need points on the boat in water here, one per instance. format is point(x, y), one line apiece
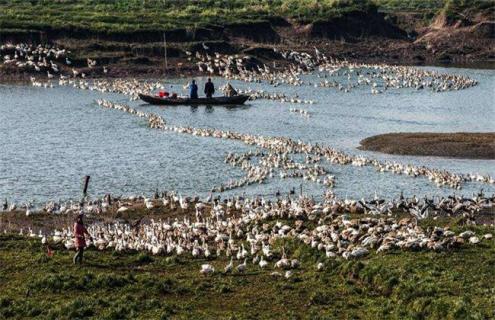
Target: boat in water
point(234, 100)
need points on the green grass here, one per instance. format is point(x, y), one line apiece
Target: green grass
point(124, 16)
point(411, 5)
point(460, 9)
point(116, 16)
point(399, 285)
point(134, 15)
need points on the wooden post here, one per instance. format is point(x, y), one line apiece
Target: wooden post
point(165, 50)
point(86, 183)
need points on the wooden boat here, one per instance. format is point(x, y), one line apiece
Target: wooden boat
point(234, 100)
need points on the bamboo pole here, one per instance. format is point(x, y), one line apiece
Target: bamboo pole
point(165, 50)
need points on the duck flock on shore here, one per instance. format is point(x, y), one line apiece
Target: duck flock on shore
point(48, 59)
point(252, 231)
point(247, 230)
point(41, 58)
point(419, 208)
point(339, 74)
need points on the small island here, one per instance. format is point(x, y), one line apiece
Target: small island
point(455, 145)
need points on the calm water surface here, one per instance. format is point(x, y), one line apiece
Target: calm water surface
point(50, 138)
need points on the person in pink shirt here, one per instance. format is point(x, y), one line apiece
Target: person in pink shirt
point(80, 241)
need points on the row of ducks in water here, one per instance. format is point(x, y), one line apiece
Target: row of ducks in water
point(282, 146)
point(128, 87)
point(252, 231)
point(268, 165)
point(154, 120)
point(279, 97)
point(133, 87)
point(381, 78)
point(347, 75)
point(302, 112)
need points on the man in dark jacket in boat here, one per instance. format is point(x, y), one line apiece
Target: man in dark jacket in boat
point(193, 90)
point(209, 88)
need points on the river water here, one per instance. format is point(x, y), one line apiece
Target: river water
point(51, 138)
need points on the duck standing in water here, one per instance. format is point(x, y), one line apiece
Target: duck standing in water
point(80, 240)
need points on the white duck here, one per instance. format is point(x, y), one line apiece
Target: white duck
point(263, 263)
point(207, 269)
point(242, 267)
point(228, 268)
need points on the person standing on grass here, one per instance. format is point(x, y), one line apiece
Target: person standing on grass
point(209, 88)
point(80, 241)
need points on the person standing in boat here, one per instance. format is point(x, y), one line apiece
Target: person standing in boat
point(229, 90)
point(193, 90)
point(209, 88)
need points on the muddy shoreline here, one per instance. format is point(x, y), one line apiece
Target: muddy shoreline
point(356, 37)
point(181, 67)
point(452, 145)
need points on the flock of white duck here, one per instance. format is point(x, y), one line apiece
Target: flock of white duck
point(280, 157)
point(340, 74)
point(247, 229)
point(45, 59)
point(251, 231)
point(419, 208)
point(247, 69)
point(380, 77)
point(39, 58)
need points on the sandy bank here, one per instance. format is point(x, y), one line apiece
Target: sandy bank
point(455, 145)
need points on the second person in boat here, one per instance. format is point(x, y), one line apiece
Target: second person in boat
point(193, 90)
point(209, 88)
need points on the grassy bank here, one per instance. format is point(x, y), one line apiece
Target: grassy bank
point(158, 15)
point(127, 35)
point(457, 145)
point(155, 15)
point(400, 285)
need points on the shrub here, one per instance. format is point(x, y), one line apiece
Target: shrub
point(144, 258)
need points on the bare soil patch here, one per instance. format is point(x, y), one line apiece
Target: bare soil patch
point(455, 145)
